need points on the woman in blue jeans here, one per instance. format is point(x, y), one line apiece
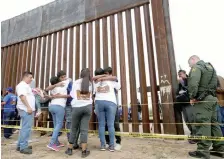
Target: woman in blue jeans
point(57, 109)
point(106, 107)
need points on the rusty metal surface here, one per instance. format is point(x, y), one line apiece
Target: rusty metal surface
point(163, 67)
point(71, 59)
point(24, 59)
point(42, 70)
point(132, 78)
point(29, 52)
point(8, 67)
point(11, 66)
point(59, 51)
point(4, 59)
point(113, 45)
point(37, 74)
point(65, 50)
point(97, 43)
point(47, 77)
point(105, 43)
point(19, 65)
point(92, 125)
point(53, 66)
point(123, 74)
point(90, 46)
point(34, 53)
point(83, 45)
point(152, 71)
point(142, 75)
point(14, 66)
point(77, 52)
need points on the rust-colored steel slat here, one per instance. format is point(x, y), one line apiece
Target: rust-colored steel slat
point(105, 43)
point(8, 67)
point(24, 56)
point(123, 73)
point(83, 45)
point(59, 51)
point(92, 125)
point(152, 71)
point(77, 52)
point(29, 53)
point(163, 67)
point(38, 63)
point(71, 59)
point(14, 67)
point(4, 59)
point(132, 76)
point(43, 63)
point(19, 65)
point(90, 46)
point(53, 65)
point(113, 45)
point(65, 50)
point(97, 44)
point(11, 66)
point(47, 77)
point(34, 53)
point(142, 75)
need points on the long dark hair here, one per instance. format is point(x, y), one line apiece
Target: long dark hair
point(85, 75)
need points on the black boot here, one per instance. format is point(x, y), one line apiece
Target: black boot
point(198, 154)
point(68, 152)
point(217, 152)
point(75, 147)
point(85, 153)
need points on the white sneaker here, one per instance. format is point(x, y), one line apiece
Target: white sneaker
point(107, 146)
point(117, 147)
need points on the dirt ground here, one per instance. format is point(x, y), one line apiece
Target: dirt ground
point(132, 148)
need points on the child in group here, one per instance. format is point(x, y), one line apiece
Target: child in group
point(42, 100)
point(57, 109)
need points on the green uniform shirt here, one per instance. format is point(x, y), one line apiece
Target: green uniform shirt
point(200, 76)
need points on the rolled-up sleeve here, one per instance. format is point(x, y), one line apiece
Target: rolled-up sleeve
point(21, 91)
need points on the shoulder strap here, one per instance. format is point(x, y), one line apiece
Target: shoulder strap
point(213, 71)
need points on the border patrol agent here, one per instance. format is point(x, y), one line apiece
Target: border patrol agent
point(202, 85)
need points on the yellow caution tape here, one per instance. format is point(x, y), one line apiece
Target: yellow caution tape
point(132, 134)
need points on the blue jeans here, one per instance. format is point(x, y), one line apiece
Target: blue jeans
point(8, 119)
point(25, 132)
point(68, 118)
point(58, 113)
point(106, 111)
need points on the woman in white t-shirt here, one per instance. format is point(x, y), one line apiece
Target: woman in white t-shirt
point(106, 107)
point(81, 111)
point(57, 109)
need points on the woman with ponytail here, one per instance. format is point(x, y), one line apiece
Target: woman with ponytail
point(81, 111)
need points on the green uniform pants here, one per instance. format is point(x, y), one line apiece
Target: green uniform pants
point(205, 112)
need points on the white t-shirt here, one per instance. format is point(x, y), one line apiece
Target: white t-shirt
point(105, 90)
point(61, 91)
point(24, 89)
point(80, 100)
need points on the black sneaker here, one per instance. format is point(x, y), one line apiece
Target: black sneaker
point(217, 153)
point(85, 153)
point(68, 152)
point(198, 154)
point(75, 147)
point(111, 148)
point(26, 151)
point(192, 141)
point(29, 147)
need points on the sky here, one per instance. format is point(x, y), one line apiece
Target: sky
point(197, 27)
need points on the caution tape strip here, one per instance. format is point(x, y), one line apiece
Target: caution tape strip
point(133, 134)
